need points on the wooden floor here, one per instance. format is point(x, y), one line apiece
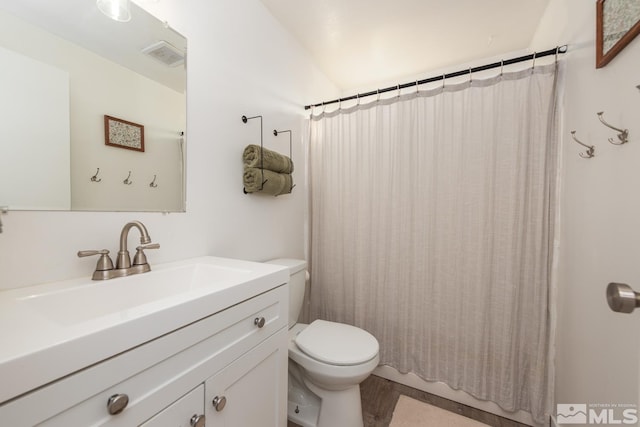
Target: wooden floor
point(379, 397)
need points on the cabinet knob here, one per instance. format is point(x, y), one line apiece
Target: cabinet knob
point(197, 421)
point(259, 322)
point(219, 403)
point(622, 298)
point(117, 403)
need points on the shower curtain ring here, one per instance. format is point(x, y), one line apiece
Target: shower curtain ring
point(398, 96)
point(323, 107)
point(358, 99)
point(470, 75)
point(417, 87)
point(444, 77)
point(557, 49)
point(501, 67)
point(533, 64)
point(377, 95)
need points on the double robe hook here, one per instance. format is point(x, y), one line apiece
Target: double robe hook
point(590, 148)
point(623, 134)
point(95, 178)
point(127, 180)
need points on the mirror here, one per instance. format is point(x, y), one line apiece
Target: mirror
point(617, 23)
point(66, 68)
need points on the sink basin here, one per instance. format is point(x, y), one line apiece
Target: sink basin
point(80, 322)
point(121, 296)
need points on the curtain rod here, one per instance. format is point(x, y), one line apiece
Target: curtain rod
point(554, 51)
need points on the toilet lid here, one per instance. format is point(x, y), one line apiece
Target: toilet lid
point(337, 343)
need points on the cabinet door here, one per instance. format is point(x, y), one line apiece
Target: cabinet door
point(188, 411)
point(251, 391)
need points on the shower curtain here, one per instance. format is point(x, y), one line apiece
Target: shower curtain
point(432, 226)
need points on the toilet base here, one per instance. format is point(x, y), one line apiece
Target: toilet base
point(312, 406)
point(338, 408)
point(341, 408)
point(303, 415)
point(303, 407)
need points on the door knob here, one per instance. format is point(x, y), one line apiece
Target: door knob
point(622, 298)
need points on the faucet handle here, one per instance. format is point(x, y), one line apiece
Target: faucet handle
point(140, 258)
point(104, 262)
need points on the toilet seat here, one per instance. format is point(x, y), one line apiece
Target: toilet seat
point(337, 343)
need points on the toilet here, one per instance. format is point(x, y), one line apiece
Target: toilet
point(327, 363)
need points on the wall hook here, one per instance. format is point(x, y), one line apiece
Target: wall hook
point(590, 148)
point(622, 136)
point(153, 183)
point(127, 181)
point(94, 178)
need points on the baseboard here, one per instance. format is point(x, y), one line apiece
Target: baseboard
point(443, 390)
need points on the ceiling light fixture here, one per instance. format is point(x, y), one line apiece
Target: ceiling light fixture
point(118, 10)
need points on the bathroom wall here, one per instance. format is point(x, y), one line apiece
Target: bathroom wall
point(240, 61)
point(597, 349)
point(35, 101)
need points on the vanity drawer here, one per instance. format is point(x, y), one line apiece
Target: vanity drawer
point(154, 374)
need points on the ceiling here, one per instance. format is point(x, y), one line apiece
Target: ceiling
point(358, 43)
point(80, 22)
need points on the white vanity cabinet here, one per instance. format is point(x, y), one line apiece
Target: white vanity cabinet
point(251, 391)
point(239, 353)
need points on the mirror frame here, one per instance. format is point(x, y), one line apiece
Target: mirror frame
point(603, 58)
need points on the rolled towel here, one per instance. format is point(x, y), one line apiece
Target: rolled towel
point(275, 183)
point(271, 160)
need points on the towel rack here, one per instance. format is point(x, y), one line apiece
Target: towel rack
point(276, 132)
point(245, 119)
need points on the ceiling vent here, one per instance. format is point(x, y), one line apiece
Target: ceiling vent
point(165, 53)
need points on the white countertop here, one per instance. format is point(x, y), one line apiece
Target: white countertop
point(51, 330)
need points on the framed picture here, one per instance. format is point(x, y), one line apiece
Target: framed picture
point(617, 23)
point(123, 134)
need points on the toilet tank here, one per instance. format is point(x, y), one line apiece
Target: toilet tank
point(297, 281)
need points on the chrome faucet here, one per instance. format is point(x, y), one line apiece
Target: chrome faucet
point(104, 268)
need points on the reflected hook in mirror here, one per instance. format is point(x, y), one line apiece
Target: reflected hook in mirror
point(94, 178)
point(127, 181)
